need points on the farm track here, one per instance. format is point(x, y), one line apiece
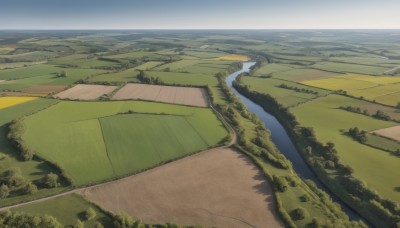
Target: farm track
point(83, 189)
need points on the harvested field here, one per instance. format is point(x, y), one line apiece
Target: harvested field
point(43, 89)
point(391, 132)
point(234, 57)
point(167, 94)
point(85, 92)
point(219, 187)
point(2, 81)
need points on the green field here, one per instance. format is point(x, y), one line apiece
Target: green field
point(330, 124)
point(286, 97)
point(350, 68)
point(46, 75)
point(67, 210)
point(268, 69)
point(385, 90)
point(175, 78)
point(96, 143)
point(125, 75)
point(303, 74)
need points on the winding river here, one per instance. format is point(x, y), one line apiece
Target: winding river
point(283, 142)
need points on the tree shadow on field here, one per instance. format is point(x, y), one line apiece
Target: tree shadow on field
point(397, 189)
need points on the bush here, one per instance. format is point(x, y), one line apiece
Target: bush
point(298, 214)
point(90, 214)
point(4, 191)
point(50, 180)
point(30, 188)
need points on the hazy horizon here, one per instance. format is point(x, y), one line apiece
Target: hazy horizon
point(199, 15)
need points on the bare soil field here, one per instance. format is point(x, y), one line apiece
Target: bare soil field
point(219, 187)
point(167, 94)
point(85, 92)
point(43, 89)
point(2, 81)
point(391, 132)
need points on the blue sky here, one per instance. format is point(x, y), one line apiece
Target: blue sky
point(199, 14)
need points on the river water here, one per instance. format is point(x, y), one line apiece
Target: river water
point(283, 142)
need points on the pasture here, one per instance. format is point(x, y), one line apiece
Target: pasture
point(167, 94)
point(350, 68)
point(92, 142)
point(331, 124)
point(85, 92)
point(184, 79)
point(303, 74)
point(287, 97)
point(195, 190)
point(271, 68)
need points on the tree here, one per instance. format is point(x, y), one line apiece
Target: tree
point(90, 214)
point(79, 224)
point(50, 180)
point(4, 191)
point(123, 220)
point(30, 188)
point(298, 214)
point(398, 105)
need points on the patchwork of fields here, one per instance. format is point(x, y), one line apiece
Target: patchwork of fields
point(96, 141)
point(385, 90)
point(167, 94)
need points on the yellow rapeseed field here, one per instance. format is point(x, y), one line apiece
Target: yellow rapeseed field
point(6, 102)
point(234, 57)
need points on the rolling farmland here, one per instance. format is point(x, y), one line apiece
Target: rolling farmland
point(89, 136)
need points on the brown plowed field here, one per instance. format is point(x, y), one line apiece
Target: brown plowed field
point(43, 89)
point(85, 92)
point(167, 94)
point(391, 132)
point(218, 187)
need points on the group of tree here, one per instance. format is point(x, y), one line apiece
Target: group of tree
point(144, 78)
point(12, 181)
point(297, 89)
point(21, 219)
point(358, 135)
point(381, 115)
point(16, 129)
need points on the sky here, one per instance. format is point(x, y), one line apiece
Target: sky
point(199, 14)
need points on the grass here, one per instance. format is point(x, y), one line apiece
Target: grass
point(299, 75)
point(67, 210)
point(125, 75)
point(30, 71)
point(381, 142)
point(350, 68)
point(175, 78)
point(284, 96)
point(6, 102)
point(83, 142)
point(175, 137)
point(331, 123)
point(268, 69)
point(73, 75)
